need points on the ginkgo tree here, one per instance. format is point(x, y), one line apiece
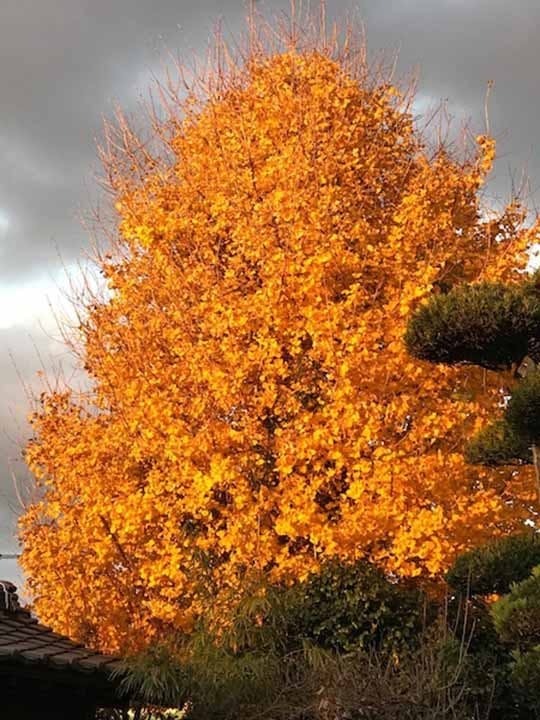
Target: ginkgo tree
point(253, 409)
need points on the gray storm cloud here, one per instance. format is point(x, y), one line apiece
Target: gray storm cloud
point(64, 63)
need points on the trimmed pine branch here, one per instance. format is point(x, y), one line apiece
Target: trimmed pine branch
point(486, 324)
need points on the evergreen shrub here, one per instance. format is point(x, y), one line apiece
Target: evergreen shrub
point(492, 568)
point(485, 324)
point(523, 411)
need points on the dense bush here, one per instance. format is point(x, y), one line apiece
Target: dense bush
point(208, 678)
point(436, 680)
point(517, 615)
point(347, 607)
point(285, 644)
point(525, 678)
point(346, 642)
point(486, 324)
point(350, 643)
point(493, 568)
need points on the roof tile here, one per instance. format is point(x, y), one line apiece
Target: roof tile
point(24, 639)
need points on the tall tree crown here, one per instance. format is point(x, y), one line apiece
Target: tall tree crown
point(254, 409)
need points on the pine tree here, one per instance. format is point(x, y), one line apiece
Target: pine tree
point(495, 326)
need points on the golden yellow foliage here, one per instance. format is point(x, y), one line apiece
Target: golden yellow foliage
point(253, 407)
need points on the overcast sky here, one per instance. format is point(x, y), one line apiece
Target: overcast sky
point(65, 63)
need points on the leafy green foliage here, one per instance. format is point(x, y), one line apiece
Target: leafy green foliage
point(523, 411)
point(503, 637)
point(203, 675)
point(437, 679)
point(350, 642)
point(517, 615)
point(486, 324)
point(494, 567)
point(282, 637)
point(526, 678)
point(154, 676)
point(498, 444)
point(304, 653)
point(347, 607)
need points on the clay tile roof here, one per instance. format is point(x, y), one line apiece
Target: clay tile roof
point(24, 640)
